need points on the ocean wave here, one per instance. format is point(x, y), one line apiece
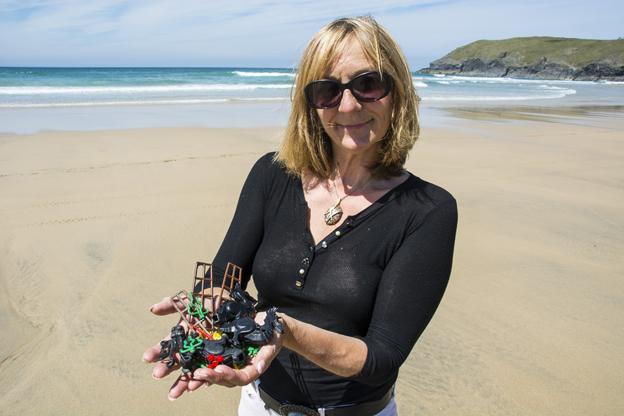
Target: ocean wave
point(551, 87)
point(419, 84)
point(448, 81)
point(499, 98)
point(262, 74)
point(139, 102)
point(500, 80)
point(138, 89)
point(260, 99)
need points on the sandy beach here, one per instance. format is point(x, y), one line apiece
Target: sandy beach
point(96, 226)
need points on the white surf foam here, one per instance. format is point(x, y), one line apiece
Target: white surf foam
point(262, 74)
point(552, 87)
point(560, 94)
point(505, 80)
point(137, 89)
point(137, 102)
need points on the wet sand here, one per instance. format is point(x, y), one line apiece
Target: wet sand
point(97, 226)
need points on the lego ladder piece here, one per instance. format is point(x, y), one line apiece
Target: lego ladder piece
point(203, 275)
point(194, 322)
point(233, 275)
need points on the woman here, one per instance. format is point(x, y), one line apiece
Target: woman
point(353, 250)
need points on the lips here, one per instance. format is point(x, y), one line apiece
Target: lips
point(354, 126)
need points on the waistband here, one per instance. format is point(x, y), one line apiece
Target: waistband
point(360, 409)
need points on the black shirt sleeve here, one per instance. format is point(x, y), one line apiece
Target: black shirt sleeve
point(410, 290)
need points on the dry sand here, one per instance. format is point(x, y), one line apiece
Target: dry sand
point(97, 226)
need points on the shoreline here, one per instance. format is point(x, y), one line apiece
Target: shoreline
point(271, 115)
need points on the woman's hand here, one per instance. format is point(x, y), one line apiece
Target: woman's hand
point(221, 375)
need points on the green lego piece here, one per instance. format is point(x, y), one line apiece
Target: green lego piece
point(191, 344)
point(195, 308)
point(252, 351)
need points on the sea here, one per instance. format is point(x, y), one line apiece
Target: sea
point(34, 99)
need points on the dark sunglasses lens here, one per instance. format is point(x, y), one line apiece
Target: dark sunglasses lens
point(370, 87)
point(323, 94)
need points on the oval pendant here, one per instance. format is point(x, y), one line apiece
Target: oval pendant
point(333, 215)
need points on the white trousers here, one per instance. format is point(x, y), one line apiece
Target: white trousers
point(252, 405)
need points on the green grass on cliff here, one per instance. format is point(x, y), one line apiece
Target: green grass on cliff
point(531, 50)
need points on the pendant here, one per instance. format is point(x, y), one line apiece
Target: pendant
point(333, 214)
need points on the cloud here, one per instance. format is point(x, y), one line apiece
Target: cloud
point(264, 32)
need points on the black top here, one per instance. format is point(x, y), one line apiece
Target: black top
point(379, 276)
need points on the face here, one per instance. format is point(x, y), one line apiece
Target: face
point(353, 126)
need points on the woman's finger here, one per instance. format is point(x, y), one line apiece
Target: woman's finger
point(194, 384)
point(161, 370)
point(152, 354)
point(207, 375)
point(266, 354)
point(241, 377)
point(221, 375)
point(246, 375)
point(164, 307)
point(179, 387)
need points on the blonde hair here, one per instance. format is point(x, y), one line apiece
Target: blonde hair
point(306, 146)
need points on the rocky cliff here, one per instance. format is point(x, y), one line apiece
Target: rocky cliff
point(536, 57)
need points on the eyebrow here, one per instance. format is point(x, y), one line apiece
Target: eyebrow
point(353, 74)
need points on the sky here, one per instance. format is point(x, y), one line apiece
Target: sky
point(266, 33)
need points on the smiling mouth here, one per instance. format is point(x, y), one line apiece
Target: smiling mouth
point(353, 126)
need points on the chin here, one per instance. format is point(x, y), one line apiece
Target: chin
point(350, 143)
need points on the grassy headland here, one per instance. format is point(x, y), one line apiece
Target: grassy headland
point(536, 57)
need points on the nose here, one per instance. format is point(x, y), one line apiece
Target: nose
point(348, 102)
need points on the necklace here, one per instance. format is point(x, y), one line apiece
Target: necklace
point(334, 212)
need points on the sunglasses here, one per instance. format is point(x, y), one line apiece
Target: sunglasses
point(367, 87)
